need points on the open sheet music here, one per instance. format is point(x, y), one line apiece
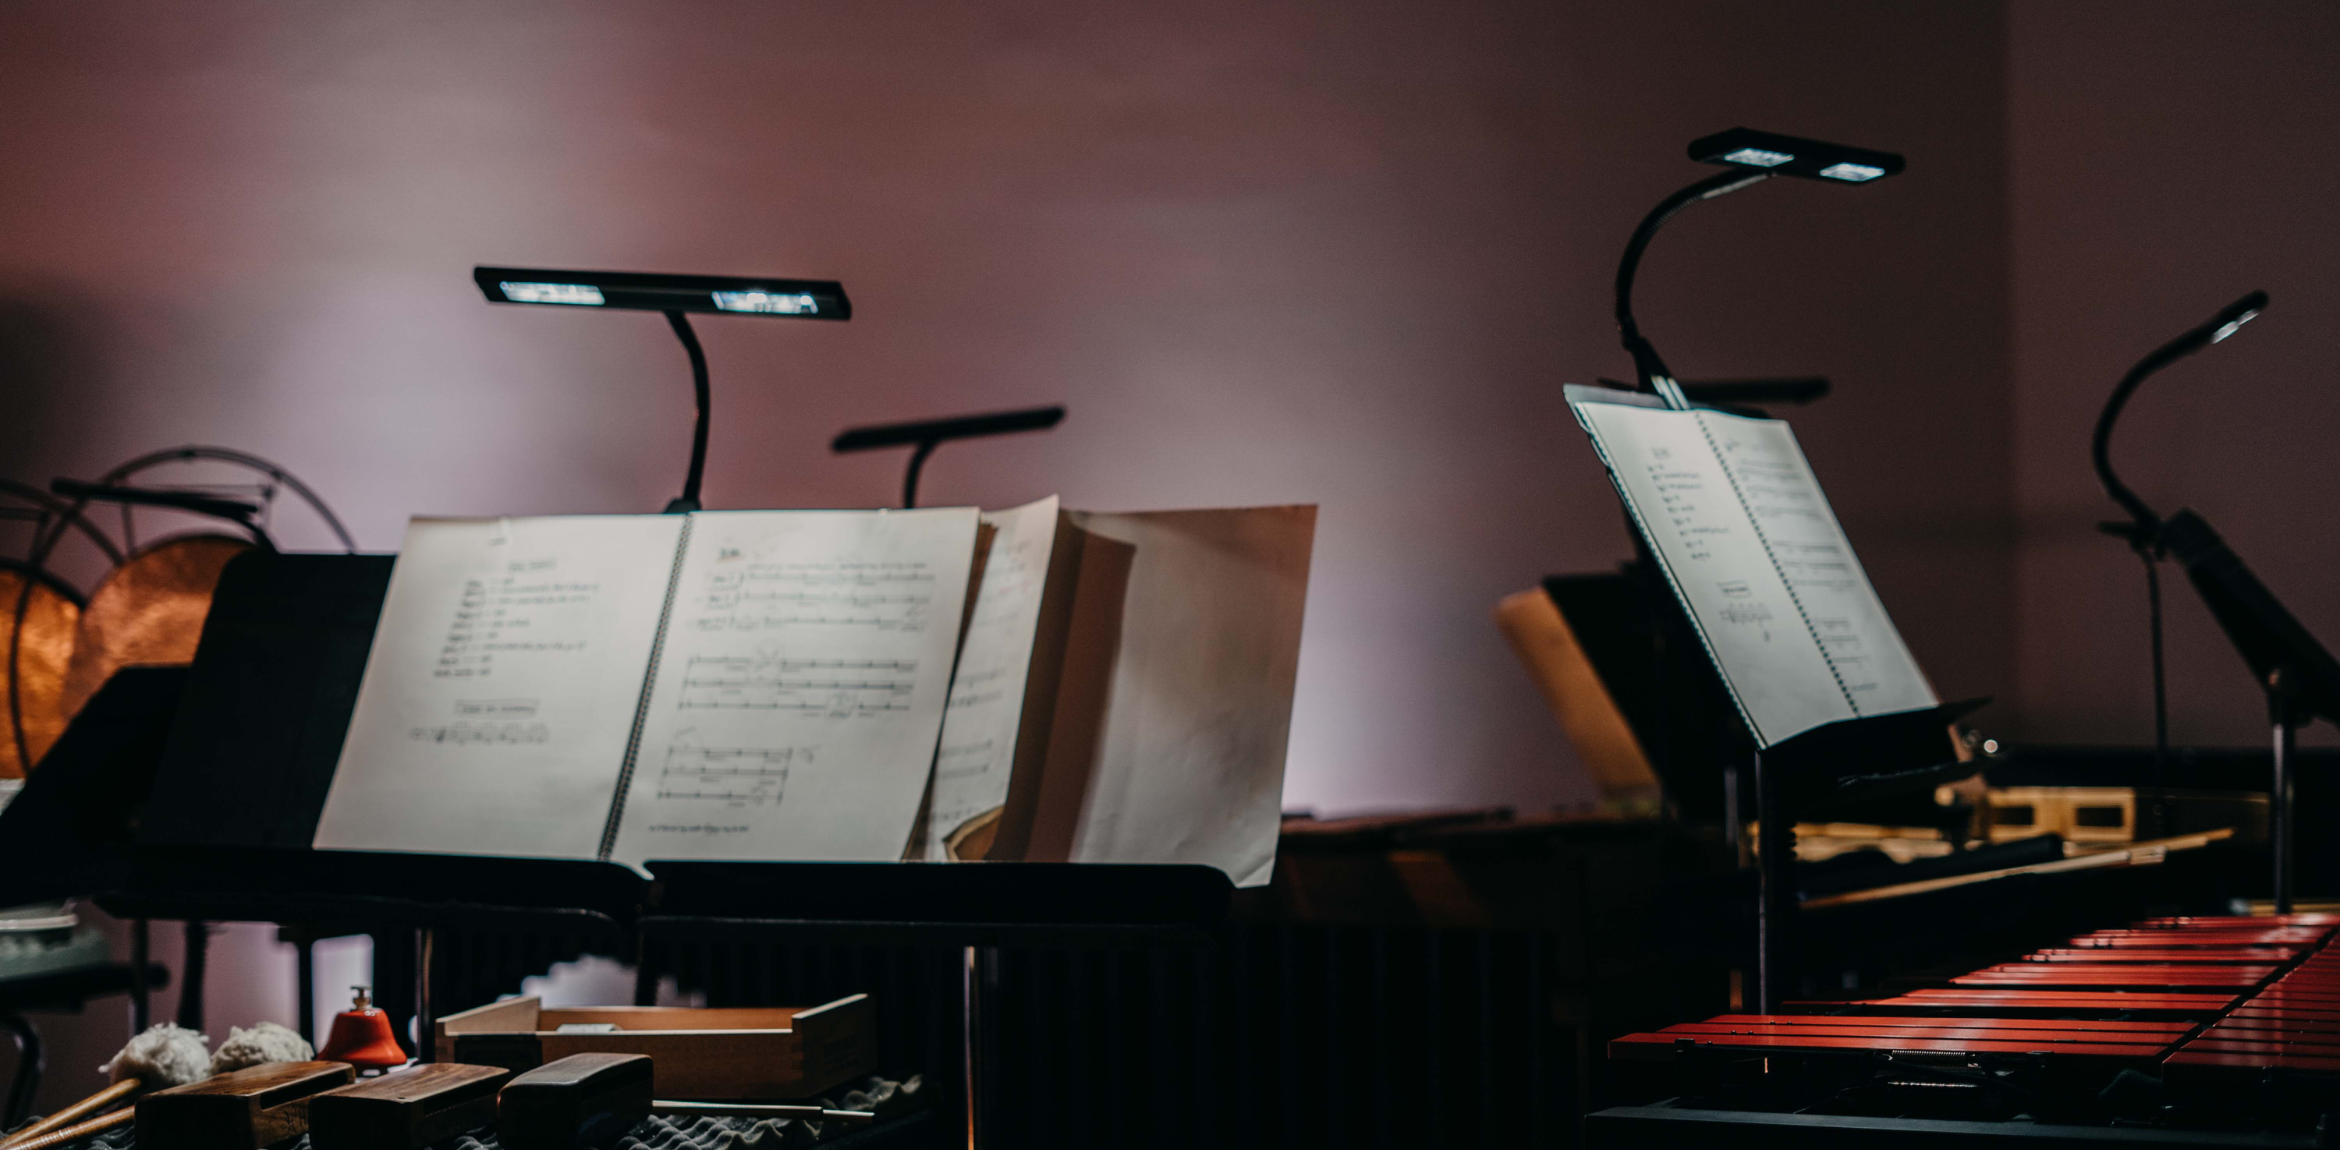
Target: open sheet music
point(806, 685)
point(1747, 541)
point(719, 684)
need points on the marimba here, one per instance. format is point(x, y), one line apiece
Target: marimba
point(2201, 1030)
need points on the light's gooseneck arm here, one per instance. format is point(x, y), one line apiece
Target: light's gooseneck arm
point(1649, 369)
point(2219, 327)
point(690, 341)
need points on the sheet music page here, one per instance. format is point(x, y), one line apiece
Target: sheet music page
point(1190, 761)
point(800, 692)
point(1677, 488)
point(1815, 558)
point(493, 714)
point(978, 751)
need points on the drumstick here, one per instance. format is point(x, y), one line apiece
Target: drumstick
point(76, 1112)
point(98, 1125)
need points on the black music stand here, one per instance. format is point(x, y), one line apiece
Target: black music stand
point(251, 757)
point(1843, 762)
point(979, 907)
point(244, 771)
point(70, 832)
point(1852, 759)
point(2300, 677)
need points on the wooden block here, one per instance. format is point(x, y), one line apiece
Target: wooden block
point(406, 1109)
point(732, 1054)
point(583, 1100)
point(240, 1110)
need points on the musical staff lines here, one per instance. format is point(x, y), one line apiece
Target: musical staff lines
point(755, 595)
point(750, 776)
point(464, 733)
point(767, 681)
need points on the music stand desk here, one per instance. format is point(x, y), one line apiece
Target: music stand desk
point(979, 907)
point(942, 904)
point(394, 890)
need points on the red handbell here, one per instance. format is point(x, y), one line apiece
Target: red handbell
point(361, 1036)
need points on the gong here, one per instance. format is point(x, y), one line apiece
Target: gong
point(147, 612)
point(44, 648)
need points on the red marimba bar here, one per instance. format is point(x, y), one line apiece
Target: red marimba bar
point(2239, 993)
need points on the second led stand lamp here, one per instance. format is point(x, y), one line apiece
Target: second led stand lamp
point(676, 296)
point(2300, 677)
point(925, 435)
point(1751, 157)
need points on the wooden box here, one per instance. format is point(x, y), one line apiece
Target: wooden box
point(729, 1054)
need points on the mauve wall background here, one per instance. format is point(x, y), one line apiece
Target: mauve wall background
point(1332, 252)
point(1336, 253)
point(2167, 158)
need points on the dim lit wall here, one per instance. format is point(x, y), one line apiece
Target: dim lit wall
point(1331, 252)
point(2167, 158)
point(1334, 252)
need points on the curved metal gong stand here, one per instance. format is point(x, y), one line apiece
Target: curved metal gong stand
point(196, 451)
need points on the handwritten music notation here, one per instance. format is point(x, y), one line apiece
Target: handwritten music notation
point(753, 776)
point(465, 733)
point(766, 681)
point(481, 722)
point(754, 595)
point(519, 613)
point(1682, 494)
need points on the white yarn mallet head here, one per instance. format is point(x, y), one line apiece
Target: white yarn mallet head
point(266, 1042)
point(165, 1055)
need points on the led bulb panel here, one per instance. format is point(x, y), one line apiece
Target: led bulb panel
point(779, 303)
point(1852, 173)
point(581, 295)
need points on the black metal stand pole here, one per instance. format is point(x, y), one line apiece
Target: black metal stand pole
point(198, 949)
point(31, 1063)
point(690, 341)
point(1775, 897)
point(2279, 793)
point(917, 464)
point(971, 1037)
point(305, 995)
point(140, 1003)
point(2159, 806)
point(1734, 813)
point(424, 1021)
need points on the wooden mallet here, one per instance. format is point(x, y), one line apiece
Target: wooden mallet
point(163, 1056)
